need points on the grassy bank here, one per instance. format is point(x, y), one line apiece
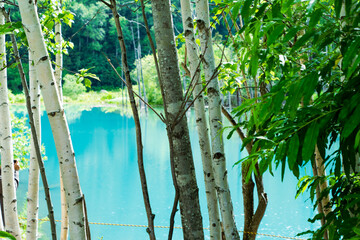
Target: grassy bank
point(103, 97)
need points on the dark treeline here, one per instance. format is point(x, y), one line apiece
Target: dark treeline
point(93, 33)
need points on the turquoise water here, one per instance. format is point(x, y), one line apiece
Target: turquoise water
point(105, 151)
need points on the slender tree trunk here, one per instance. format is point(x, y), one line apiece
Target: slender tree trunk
point(137, 69)
point(59, 57)
point(57, 118)
point(3, 77)
point(178, 134)
point(202, 128)
point(140, 64)
point(33, 186)
point(218, 154)
point(150, 215)
point(7, 159)
point(319, 170)
point(58, 79)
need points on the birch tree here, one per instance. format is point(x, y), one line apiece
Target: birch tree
point(7, 158)
point(33, 186)
point(58, 80)
point(215, 119)
point(202, 128)
point(57, 118)
point(177, 129)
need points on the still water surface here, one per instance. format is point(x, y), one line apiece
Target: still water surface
point(105, 149)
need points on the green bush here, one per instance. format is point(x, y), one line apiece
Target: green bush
point(72, 88)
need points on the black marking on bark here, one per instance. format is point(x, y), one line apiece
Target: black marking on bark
point(190, 23)
point(213, 91)
point(214, 224)
point(187, 32)
point(79, 224)
point(218, 155)
point(44, 58)
point(200, 24)
point(52, 83)
point(198, 120)
point(52, 114)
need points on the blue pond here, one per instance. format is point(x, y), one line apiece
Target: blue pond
point(105, 149)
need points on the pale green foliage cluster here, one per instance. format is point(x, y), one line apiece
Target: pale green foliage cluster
point(72, 88)
point(152, 87)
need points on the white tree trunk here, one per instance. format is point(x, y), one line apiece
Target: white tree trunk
point(179, 140)
point(57, 118)
point(59, 58)
point(58, 80)
point(33, 186)
point(202, 128)
point(218, 154)
point(7, 157)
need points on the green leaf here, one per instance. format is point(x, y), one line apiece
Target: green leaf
point(338, 5)
point(315, 17)
point(308, 86)
point(286, 5)
point(355, 65)
point(7, 235)
point(291, 34)
point(235, 10)
point(357, 141)
point(245, 10)
point(310, 141)
point(275, 33)
point(254, 63)
point(351, 53)
point(301, 42)
point(351, 124)
point(293, 151)
point(87, 83)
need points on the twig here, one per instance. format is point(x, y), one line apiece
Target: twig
point(122, 79)
point(86, 23)
point(140, 155)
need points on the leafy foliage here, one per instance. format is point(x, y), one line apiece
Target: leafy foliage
point(307, 55)
point(72, 87)
point(6, 235)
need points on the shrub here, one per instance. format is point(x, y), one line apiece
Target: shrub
point(71, 87)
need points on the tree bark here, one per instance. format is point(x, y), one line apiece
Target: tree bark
point(58, 79)
point(33, 186)
point(57, 118)
point(178, 134)
point(150, 230)
point(218, 154)
point(202, 128)
point(140, 64)
point(7, 159)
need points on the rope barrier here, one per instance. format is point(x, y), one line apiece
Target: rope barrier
point(145, 226)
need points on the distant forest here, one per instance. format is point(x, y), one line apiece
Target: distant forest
point(93, 34)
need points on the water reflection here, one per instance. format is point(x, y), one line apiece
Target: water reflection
point(105, 147)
